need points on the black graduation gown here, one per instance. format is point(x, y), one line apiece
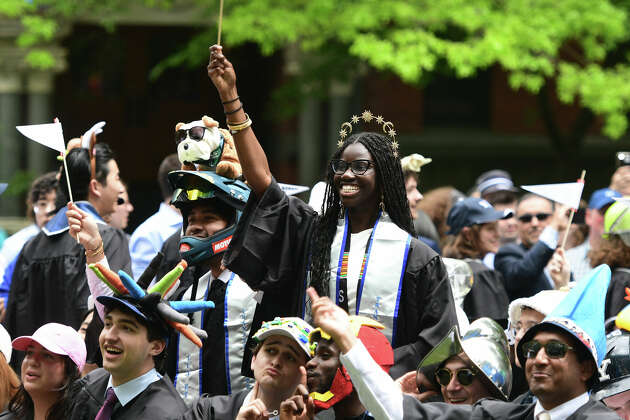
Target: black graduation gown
point(270, 252)
point(221, 407)
point(615, 296)
point(494, 410)
point(214, 380)
point(159, 401)
point(487, 297)
point(49, 282)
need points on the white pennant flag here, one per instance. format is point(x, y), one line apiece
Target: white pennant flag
point(50, 135)
point(568, 193)
point(290, 189)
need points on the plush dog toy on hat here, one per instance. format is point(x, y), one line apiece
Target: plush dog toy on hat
point(202, 145)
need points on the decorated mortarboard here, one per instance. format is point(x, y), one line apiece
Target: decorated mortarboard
point(151, 304)
point(581, 314)
point(292, 327)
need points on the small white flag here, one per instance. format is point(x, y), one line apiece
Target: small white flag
point(50, 135)
point(568, 193)
point(290, 189)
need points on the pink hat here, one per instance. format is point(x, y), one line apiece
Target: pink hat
point(58, 339)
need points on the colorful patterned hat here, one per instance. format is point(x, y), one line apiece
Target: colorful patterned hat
point(292, 327)
point(151, 305)
point(581, 314)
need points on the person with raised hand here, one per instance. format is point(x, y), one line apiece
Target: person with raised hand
point(361, 251)
point(280, 354)
point(561, 356)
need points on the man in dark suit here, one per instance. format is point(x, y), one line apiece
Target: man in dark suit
point(523, 265)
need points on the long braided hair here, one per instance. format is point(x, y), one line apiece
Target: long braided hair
point(391, 183)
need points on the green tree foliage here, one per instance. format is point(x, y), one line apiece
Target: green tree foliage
point(581, 44)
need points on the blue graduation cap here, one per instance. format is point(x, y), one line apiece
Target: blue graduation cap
point(581, 314)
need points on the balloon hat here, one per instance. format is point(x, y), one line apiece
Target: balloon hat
point(151, 304)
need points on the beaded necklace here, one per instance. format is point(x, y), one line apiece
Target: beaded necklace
point(342, 271)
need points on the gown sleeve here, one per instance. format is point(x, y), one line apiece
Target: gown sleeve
point(427, 309)
point(270, 246)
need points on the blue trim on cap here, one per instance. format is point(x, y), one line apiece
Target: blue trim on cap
point(108, 300)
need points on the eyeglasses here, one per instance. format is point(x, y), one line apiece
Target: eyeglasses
point(526, 218)
point(195, 133)
point(554, 349)
point(465, 376)
point(358, 167)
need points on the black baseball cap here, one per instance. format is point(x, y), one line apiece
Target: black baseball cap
point(473, 211)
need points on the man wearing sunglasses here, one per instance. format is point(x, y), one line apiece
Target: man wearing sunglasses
point(560, 356)
point(523, 264)
point(469, 368)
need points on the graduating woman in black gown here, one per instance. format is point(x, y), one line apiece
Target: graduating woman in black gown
point(361, 252)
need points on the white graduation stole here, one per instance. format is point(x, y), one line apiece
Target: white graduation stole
point(385, 267)
point(238, 315)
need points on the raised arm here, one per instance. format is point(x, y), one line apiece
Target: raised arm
point(252, 156)
point(90, 238)
point(377, 390)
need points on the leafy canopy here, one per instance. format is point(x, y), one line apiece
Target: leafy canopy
point(583, 44)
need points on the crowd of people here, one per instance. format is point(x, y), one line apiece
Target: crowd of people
point(237, 300)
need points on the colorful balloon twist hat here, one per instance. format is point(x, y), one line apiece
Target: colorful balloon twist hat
point(151, 305)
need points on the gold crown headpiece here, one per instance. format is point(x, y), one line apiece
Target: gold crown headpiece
point(367, 116)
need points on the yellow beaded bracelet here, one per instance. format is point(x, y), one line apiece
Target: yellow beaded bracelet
point(235, 128)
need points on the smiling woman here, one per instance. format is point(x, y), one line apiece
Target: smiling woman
point(55, 356)
point(361, 251)
point(473, 223)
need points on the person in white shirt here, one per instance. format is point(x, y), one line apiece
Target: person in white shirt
point(147, 239)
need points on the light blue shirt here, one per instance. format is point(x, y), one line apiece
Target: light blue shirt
point(130, 390)
point(549, 237)
point(147, 239)
point(578, 260)
point(14, 243)
point(10, 251)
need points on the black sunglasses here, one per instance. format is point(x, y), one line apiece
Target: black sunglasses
point(120, 201)
point(358, 167)
point(554, 349)
point(195, 133)
point(465, 376)
point(526, 218)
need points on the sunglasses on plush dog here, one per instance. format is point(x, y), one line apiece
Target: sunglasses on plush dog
point(465, 376)
point(195, 133)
